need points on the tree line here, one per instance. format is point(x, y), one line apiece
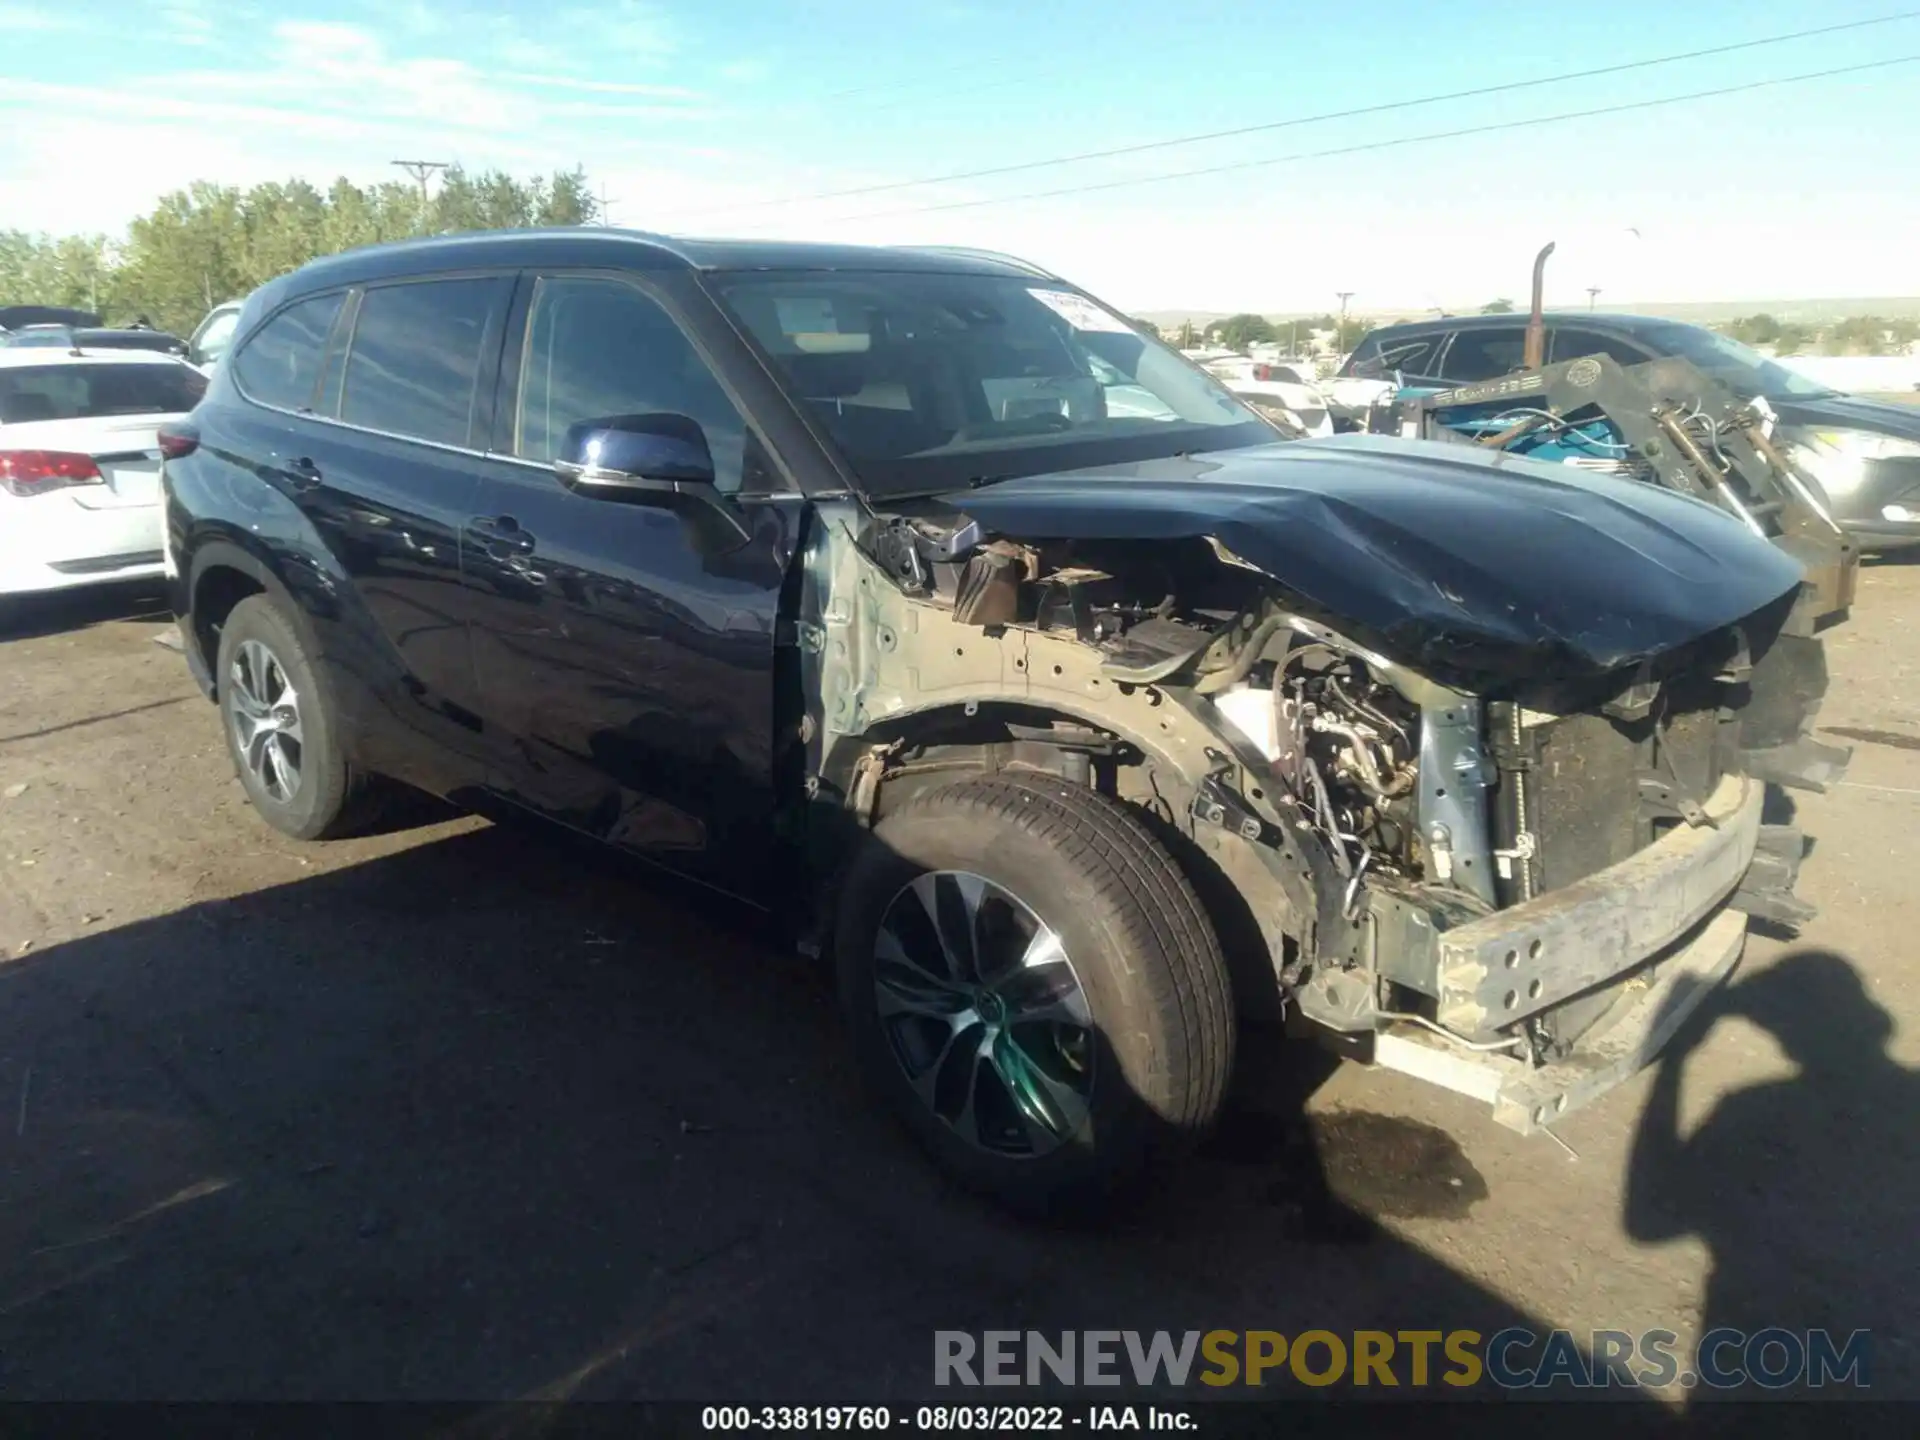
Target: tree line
point(1855, 335)
point(210, 243)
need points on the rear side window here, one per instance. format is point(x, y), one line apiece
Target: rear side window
point(1484, 354)
point(280, 364)
point(1571, 344)
point(414, 365)
point(86, 392)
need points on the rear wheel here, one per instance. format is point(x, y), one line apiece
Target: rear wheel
point(1033, 986)
point(281, 729)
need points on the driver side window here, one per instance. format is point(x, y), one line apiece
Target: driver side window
point(598, 347)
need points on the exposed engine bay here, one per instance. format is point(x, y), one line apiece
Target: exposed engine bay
point(1342, 741)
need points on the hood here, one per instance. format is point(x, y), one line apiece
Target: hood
point(1479, 570)
point(1851, 412)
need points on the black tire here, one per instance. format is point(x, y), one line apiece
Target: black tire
point(1141, 947)
point(332, 799)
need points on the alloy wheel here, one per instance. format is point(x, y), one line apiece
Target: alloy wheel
point(985, 1014)
point(264, 710)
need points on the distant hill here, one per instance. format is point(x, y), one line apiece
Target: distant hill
point(1711, 312)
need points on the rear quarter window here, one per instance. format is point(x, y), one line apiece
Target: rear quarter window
point(87, 392)
point(280, 363)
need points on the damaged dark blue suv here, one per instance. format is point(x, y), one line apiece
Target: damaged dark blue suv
point(918, 597)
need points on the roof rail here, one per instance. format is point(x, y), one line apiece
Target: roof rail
point(974, 253)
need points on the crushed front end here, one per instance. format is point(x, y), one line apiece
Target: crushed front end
point(1480, 750)
point(1535, 890)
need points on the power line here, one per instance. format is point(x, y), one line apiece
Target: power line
point(1393, 143)
point(1150, 145)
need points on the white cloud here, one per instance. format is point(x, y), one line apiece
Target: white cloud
point(33, 19)
point(188, 22)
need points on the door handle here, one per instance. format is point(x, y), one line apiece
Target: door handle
point(500, 536)
point(304, 474)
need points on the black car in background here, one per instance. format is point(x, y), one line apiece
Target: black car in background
point(1864, 453)
point(921, 599)
point(95, 337)
point(15, 317)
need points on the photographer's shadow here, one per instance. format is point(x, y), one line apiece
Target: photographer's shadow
point(1803, 1187)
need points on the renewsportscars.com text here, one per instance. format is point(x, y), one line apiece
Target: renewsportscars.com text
point(1511, 1359)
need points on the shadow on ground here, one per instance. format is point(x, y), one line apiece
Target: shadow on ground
point(1800, 1187)
point(23, 617)
point(489, 1119)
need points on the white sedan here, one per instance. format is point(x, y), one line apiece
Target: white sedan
point(1267, 384)
point(80, 464)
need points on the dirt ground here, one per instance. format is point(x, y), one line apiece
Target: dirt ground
point(456, 1112)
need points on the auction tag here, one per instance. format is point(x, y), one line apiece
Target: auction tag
point(1080, 312)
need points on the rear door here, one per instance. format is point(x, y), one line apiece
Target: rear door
point(631, 667)
point(378, 443)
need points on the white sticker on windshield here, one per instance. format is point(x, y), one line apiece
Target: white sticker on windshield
point(1080, 312)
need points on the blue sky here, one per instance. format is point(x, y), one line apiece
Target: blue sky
point(695, 116)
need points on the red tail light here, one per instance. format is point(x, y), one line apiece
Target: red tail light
point(35, 472)
point(178, 441)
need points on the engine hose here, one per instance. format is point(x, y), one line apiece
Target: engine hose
point(1243, 661)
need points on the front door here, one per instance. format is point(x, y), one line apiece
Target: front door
point(627, 669)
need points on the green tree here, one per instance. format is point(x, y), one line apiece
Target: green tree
point(1497, 307)
point(1145, 326)
point(1760, 329)
point(1858, 335)
point(1793, 340)
point(566, 199)
point(1237, 332)
point(186, 257)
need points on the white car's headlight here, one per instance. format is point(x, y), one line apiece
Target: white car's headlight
point(1838, 458)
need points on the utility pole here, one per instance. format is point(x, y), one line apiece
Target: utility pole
point(605, 203)
point(420, 170)
point(1340, 329)
point(1593, 293)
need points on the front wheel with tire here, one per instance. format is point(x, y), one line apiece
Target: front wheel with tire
point(281, 729)
point(1033, 985)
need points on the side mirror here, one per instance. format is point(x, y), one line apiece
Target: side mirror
point(656, 459)
point(634, 453)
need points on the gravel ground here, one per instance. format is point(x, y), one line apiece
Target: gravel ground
point(456, 1112)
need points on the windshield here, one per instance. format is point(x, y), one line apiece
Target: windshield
point(927, 382)
point(216, 333)
point(1745, 372)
